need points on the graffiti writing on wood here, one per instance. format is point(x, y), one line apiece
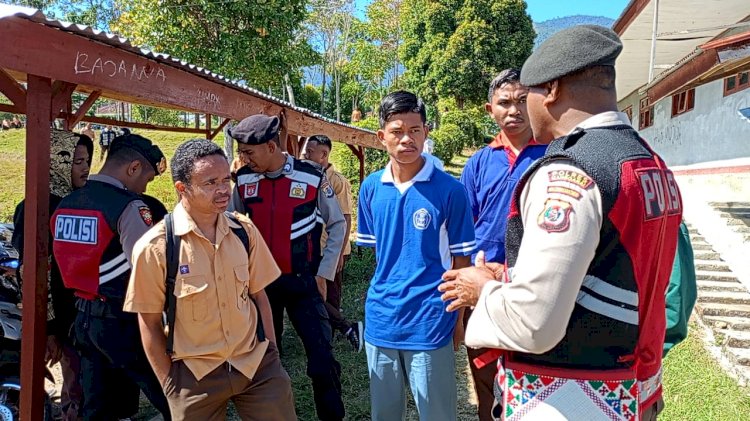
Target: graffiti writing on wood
point(117, 68)
point(209, 97)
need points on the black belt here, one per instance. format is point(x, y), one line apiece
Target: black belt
point(110, 309)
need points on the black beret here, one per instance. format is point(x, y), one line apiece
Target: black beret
point(255, 130)
point(144, 147)
point(569, 51)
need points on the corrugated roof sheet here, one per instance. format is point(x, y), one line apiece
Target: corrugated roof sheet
point(35, 15)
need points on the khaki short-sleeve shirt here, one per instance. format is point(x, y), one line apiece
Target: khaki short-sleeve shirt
point(343, 190)
point(216, 319)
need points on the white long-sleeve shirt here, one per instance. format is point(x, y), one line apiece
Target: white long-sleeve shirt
point(561, 209)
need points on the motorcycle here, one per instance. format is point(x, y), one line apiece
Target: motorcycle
point(10, 334)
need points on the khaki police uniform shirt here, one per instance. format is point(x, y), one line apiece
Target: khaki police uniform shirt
point(343, 190)
point(216, 319)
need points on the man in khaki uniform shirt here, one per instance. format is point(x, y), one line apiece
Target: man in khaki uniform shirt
point(318, 150)
point(217, 355)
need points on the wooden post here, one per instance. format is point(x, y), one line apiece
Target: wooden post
point(208, 126)
point(361, 164)
point(36, 239)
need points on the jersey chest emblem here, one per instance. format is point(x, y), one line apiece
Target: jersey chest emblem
point(76, 229)
point(421, 219)
point(298, 190)
point(251, 189)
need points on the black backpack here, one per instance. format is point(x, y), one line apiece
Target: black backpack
point(173, 261)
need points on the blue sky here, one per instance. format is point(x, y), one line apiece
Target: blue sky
point(541, 10)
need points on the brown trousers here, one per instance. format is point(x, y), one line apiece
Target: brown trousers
point(268, 396)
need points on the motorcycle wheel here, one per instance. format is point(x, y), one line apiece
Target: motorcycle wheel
point(10, 396)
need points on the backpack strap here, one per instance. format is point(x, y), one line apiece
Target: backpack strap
point(239, 231)
point(173, 260)
point(242, 234)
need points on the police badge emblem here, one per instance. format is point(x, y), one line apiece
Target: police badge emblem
point(327, 189)
point(298, 190)
point(556, 216)
point(251, 189)
point(145, 213)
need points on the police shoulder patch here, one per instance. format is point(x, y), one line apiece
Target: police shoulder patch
point(145, 213)
point(555, 217)
point(326, 188)
point(577, 178)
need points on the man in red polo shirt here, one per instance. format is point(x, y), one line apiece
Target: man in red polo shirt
point(490, 177)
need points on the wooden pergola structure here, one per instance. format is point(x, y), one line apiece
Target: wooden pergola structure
point(43, 62)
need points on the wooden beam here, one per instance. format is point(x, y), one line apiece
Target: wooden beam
point(146, 126)
point(355, 151)
point(301, 142)
point(36, 239)
point(208, 125)
point(12, 90)
point(83, 109)
point(219, 129)
point(61, 95)
point(76, 59)
point(10, 109)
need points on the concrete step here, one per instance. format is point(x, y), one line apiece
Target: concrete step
point(711, 275)
point(742, 229)
point(739, 356)
point(706, 255)
point(701, 247)
point(730, 205)
point(723, 310)
point(696, 238)
point(736, 222)
point(721, 286)
point(716, 266)
point(737, 339)
point(736, 211)
point(724, 297)
point(724, 322)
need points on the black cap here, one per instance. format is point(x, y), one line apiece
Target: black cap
point(144, 147)
point(570, 51)
point(256, 129)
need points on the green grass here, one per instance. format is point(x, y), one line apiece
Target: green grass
point(697, 389)
point(695, 386)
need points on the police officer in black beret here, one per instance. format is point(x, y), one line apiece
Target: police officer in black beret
point(289, 200)
point(589, 250)
point(94, 231)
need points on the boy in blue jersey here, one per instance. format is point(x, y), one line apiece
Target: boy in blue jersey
point(419, 221)
point(490, 176)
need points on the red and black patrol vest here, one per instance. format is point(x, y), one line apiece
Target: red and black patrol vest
point(618, 320)
point(285, 210)
point(86, 242)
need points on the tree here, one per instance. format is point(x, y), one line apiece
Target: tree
point(329, 26)
point(453, 48)
point(256, 42)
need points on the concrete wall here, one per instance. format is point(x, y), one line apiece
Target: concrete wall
point(712, 131)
